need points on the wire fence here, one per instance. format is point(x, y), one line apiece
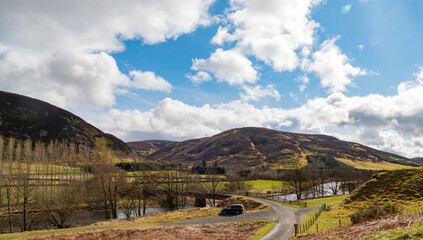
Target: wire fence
point(302, 228)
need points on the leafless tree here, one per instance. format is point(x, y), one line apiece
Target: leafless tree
point(213, 186)
point(297, 180)
point(144, 185)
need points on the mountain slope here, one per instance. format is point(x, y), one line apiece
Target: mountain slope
point(403, 187)
point(22, 117)
point(249, 147)
point(148, 147)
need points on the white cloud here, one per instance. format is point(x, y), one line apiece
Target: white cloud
point(258, 92)
point(60, 51)
point(221, 36)
point(177, 119)
point(228, 66)
point(332, 67)
point(271, 32)
point(148, 81)
point(360, 47)
point(304, 82)
point(199, 77)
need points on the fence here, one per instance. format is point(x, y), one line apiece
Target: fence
point(302, 228)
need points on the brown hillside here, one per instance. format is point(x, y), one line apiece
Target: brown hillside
point(22, 117)
point(148, 147)
point(249, 147)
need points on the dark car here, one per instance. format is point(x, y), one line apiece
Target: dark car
point(234, 209)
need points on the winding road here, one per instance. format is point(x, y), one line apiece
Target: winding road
point(284, 216)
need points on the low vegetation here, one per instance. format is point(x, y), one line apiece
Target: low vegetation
point(266, 184)
point(400, 227)
point(263, 231)
point(388, 200)
point(241, 230)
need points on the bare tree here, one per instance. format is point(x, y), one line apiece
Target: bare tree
point(67, 202)
point(213, 186)
point(144, 184)
point(107, 182)
point(237, 184)
point(297, 180)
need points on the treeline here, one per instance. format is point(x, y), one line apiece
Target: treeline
point(310, 182)
point(44, 186)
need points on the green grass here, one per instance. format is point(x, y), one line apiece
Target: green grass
point(263, 231)
point(331, 201)
point(415, 232)
point(372, 165)
point(266, 184)
point(329, 220)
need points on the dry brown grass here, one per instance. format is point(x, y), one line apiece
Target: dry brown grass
point(366, 229)
point(250, 205)
point(200, 232)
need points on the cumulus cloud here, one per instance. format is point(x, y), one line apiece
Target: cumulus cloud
point(177, 119)
point(148, 81)
point(304, 82)
point(258, 92)
point(391, 123)
point(54, 50)
point(270, 32)
point(228, 66)
point(332, 67)
point(199, 77)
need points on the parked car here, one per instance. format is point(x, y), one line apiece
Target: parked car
point(234, 209)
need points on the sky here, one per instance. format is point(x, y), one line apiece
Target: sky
point(176, 70)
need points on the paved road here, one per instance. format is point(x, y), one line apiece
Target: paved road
point(284, 216)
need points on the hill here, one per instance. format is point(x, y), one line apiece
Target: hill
point(148, 147)
point(403, 187)
point(250, 147)
point(22, 117)
point(419, 160)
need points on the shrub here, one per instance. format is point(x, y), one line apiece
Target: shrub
point(373, 212)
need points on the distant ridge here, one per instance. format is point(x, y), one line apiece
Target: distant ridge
point(419, 160)
point(148, 147)
point(252, 147)
point(23, 117)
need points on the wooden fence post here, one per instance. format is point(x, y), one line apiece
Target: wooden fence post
point(296, 229)
point(317, 227)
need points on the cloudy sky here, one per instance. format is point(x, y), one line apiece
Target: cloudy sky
point(166, 69)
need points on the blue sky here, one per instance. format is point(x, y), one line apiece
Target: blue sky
point(178, 70)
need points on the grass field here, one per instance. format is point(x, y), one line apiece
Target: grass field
point(372, 165)
point(331, 219)
point(266, 184)
point(331, 201)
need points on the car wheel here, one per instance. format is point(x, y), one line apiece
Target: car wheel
point(237, 212)
point(223, 212)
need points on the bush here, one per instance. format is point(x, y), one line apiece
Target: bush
point(373, 212)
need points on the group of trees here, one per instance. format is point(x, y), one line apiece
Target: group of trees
point(48, 184)
point(312, 182)
point(44, 184)
point(31, 180)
